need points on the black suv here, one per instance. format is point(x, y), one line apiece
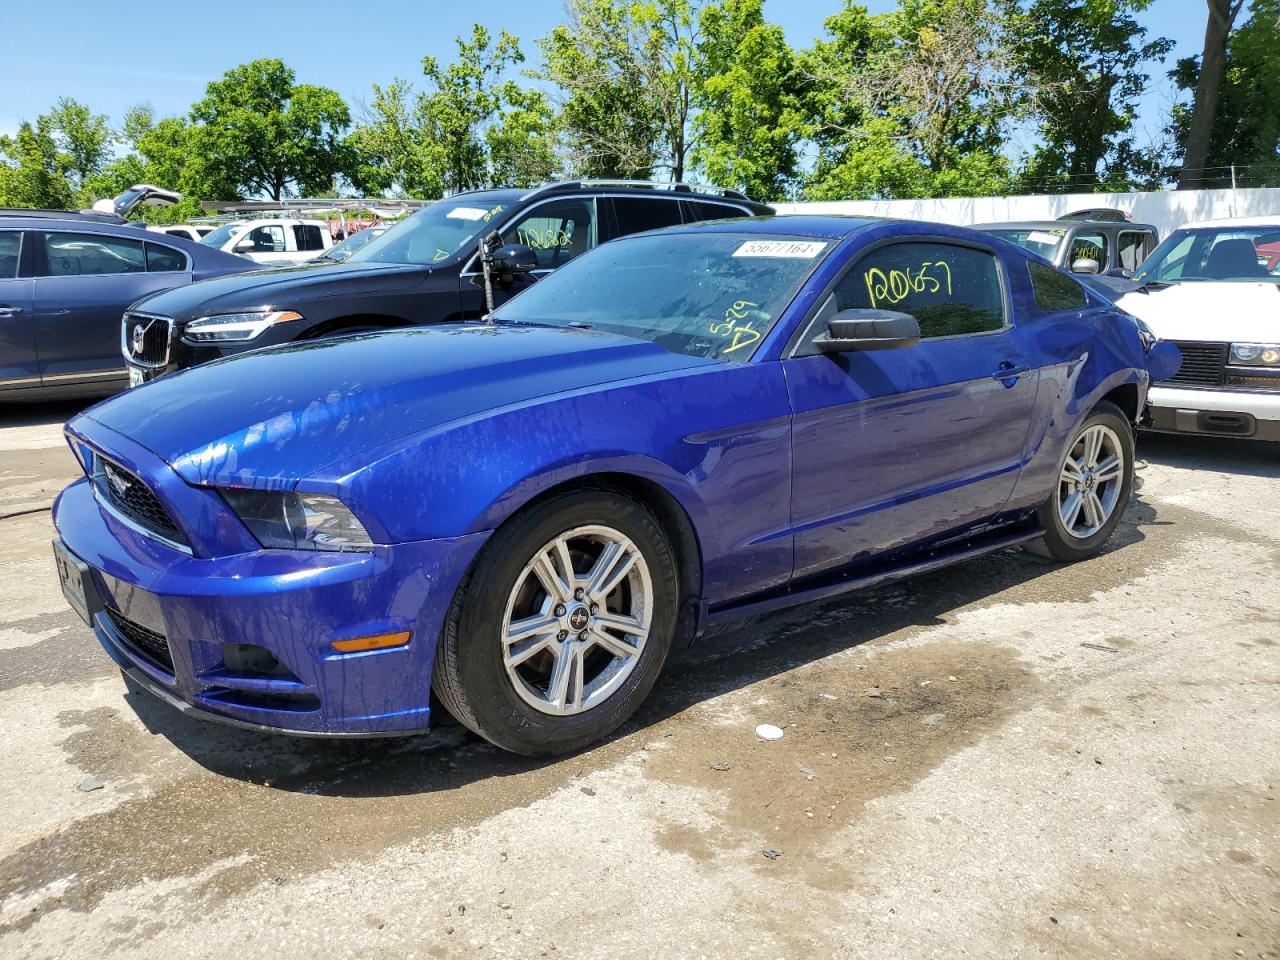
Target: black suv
point(436, 266)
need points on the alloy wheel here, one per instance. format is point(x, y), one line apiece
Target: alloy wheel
point(1090, 482)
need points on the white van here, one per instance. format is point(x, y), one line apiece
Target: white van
point(282, 240)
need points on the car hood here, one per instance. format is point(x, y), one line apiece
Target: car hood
point(270, 417)
point(1205, 310)
point(280, 287)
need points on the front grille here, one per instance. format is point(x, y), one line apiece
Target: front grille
point(146, 339)
point(131, 497)
point(151, 646)
point(1203, 364)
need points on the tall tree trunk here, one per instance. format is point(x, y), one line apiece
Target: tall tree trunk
point(1213, 61)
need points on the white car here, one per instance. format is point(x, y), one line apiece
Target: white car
point(282, 240)
point(183, 230)
point(1213, 288)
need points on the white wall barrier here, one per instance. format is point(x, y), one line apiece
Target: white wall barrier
point(1166, 210)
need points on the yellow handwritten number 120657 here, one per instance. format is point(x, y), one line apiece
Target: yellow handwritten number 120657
point(896, 285)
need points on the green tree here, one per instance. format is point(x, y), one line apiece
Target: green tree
point(1246, 127)
point(470, 127)
point(749, 122)
point(257, 132)
point(1087, 62)
point(85, 141)
point(32, 171)
point(627, 72)
point(914, 103)
point(1204, 107)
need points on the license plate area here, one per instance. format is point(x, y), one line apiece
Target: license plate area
point(76, 581)
point(135, 377)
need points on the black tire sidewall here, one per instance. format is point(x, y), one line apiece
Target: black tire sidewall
point(1057, 541)
point(496, 711)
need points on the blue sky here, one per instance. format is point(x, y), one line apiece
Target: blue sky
point(112, 56)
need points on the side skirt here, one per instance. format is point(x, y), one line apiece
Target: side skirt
point(721, 621)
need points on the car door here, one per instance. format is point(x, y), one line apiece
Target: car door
point(265, 244)
point(308, 239)
point(557, 230)
point(894, 448)
point(83, 283)
point(18, 364)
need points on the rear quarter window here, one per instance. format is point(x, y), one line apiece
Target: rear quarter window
point(1055, 291)
point(165, 259)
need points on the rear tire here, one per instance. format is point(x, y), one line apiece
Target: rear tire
point(1092, 488)
point(541, 660)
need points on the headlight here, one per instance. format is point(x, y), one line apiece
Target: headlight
point(1256, 354)
point(298, 521)
point(233, 327)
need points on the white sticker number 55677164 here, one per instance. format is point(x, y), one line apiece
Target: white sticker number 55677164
point(792, 249)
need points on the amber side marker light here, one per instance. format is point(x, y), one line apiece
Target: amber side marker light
point(382, 641)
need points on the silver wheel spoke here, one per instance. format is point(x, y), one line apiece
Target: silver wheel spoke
point(530, 636)
point(1094, 514)
point(614, 621)
point(1071, 471)
point(1108, 469)
point(1071, 510)
point(616, 646)
point(558, 586)
point(564, 689)
point(1092, 446)
point(615, 563)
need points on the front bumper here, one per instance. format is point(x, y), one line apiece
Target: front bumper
point(1253, 414)
point(291, 604)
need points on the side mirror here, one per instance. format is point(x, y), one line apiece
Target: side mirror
point(1164, 360)
point(515, 258)
point(868, 330)
point(244, 246)
point(1085, 266)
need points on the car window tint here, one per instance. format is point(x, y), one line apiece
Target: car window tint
point(636, 214)
point(1089, 245)
point(557, 231)
point(949, 290)
point(1054, 290)
point(164, 259)
point(307, 236)
point(10, 253)
point(88, 254)
point(696, 210)
point(269, 239)
point(1131, 248)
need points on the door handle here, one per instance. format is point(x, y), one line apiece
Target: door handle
point(1009, 373)
point(8, 311)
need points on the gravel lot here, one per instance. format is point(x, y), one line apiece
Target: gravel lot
point(1010, 758)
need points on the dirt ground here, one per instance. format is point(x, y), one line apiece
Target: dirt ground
point(1006, 759)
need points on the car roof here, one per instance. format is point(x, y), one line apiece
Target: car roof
point(824, 226)
point(74, 224)
point(1272, 221)
point(1063, 225)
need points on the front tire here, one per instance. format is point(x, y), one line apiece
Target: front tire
point(1094, 483)
point(560, 630)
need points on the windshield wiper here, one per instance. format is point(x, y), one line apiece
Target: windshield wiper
point(1149, 285)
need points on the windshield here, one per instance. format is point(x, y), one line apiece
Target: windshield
point(436, 233)
point(1043, 242)
point(219, 237)
point(341, 252)
point(1215, 253)
point(702, 294)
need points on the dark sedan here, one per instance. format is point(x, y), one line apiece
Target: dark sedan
point(65, 281)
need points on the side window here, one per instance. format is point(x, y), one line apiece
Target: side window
point(950, 290)
point(1131, 248)
point(697, 210)
point(164, 259)
point(1089, 245)
point(88, 254)
point(307, 236)
point(10, 253)
point(269, 239)
point(645, 213)
point(1054, 290)
point(558, 231)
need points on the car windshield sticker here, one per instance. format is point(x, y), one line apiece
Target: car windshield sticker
point(468, 213)
point(742, 334)
point(1039, 236)
point(789, 249)
point(897, 285)
point(550, 237)
point(440, 255)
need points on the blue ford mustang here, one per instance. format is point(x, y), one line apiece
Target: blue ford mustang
point(674, 432)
